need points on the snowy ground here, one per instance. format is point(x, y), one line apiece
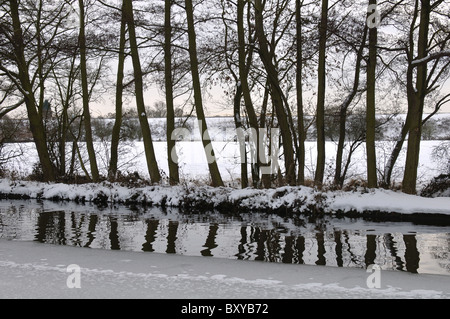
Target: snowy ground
point(33, 270)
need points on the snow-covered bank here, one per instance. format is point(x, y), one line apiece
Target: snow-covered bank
point(283, 199)
point(32, 270)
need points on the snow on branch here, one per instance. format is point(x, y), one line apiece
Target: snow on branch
point(7, 109)
point(430, 57)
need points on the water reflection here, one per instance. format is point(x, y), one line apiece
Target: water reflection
point(271, 238)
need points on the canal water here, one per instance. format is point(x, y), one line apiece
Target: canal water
point(326, 241)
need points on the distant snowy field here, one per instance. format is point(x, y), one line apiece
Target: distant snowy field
point(193, 164)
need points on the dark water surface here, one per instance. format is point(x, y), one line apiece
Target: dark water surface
point(342, 242)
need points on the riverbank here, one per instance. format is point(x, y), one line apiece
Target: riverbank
point(377, 204)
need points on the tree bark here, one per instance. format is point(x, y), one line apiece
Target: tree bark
point(152, 164)
point(216, 178)
point(277, 95)
point(115, 137)
point(240, 137)
point(411, 96)
point(36, 124)
point(174, 177)
point(85, 96)
point(372, 181)
point(243, 74)
point(416, 105)
point(299, 91)
point(320, 112)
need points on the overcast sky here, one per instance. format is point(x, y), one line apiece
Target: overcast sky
point(215, 102)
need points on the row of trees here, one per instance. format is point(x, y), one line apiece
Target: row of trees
point(277, 60)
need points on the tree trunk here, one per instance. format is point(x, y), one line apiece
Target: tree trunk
point(416, 108)
point(320, 112)
point(411, 96)
point(172, 157)
point(240, 136)
point(64, 130)
point(372, 181)
point(265, 178)
point(277, 95)
point(243, 74)
point(300, 116)
point(36, 125)
point(343, 113)
point(152, 164)
point(115, 136)
point(85, 96)
point(395, 153)
point(216, 178)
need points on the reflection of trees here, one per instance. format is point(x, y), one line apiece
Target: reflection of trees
point(172, 237)
point(260, 238)
point(276, 244)
point(51, 228)
point(268, 244)
point(320, 249)
point(412, 255)
point(288, 254)
point(210, 243)
point(293, 250)
point(338, 248)
point(93, 220)
point(371, 247)
point(242, 242)
point(300, 248)
point(150, 234)
point(43, 222)
point(61, 227)
point(114, 233)
point(273, 246)
point(76, 228)
point(390, 243)
point(353, 257)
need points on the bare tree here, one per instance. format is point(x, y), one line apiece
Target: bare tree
point(278, 98)
point(320, 111)
point(370, 106)
point(174, 177)
point(85, 94)
point(152, 164)
point(212, 163)
point(115, 137)
point(15, 66)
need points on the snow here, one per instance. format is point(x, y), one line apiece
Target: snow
point(389, 201)
point(33, 270)
point(194, 167)
point(297, 199)
point(430, 57)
